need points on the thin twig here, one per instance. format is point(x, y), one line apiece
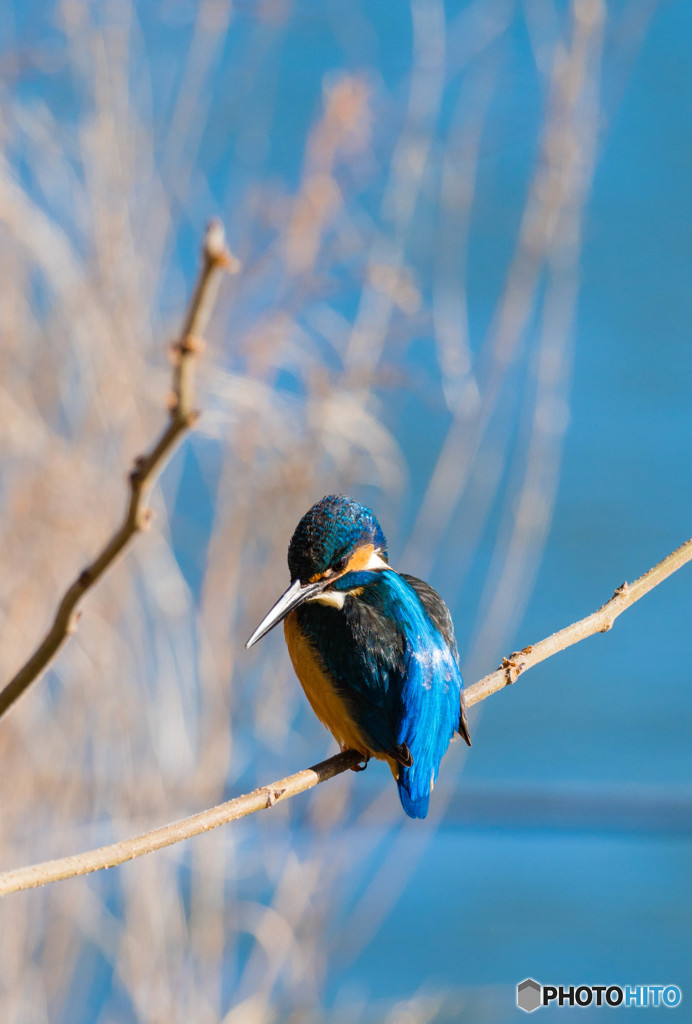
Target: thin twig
point(183, 416)
point(260, 799)
point(598, 622)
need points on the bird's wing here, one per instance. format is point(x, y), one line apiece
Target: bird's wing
point(438, 613)
point(437, 610)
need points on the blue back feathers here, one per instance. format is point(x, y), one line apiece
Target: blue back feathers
point(328, 532)
point(431, 697)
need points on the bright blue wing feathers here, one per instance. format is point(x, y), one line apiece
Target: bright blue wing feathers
point(439, 614)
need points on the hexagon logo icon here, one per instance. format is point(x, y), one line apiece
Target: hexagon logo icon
point(528, 995)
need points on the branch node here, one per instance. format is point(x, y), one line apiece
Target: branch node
point(138, 469)
point(190, 345)
point(512, 668)
point(84, 579)
point(214, 247)
point(145, 519)
point(215, 250)
point(230, 263)
point(273, 795)
point(622, 589)
point(606, 626)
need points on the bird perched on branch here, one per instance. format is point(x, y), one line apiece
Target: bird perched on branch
point(373, 648)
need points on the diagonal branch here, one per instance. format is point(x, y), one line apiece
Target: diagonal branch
point(598, 622)
point(215, 257)
point(117, 853)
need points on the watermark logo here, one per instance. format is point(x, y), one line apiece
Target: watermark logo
point(528, 995)
point(531, 995)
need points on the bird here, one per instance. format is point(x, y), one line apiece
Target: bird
point(374, 649)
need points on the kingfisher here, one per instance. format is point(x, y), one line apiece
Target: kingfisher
point(373, 648)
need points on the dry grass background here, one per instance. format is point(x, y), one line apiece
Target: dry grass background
point(153, 709)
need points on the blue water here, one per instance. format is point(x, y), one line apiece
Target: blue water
point(556, 908)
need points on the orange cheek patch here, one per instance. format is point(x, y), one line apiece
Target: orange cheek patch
point(360, 558)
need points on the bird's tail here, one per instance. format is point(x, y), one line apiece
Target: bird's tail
point(414, 791)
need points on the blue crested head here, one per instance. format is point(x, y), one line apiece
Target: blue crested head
point(329, 533)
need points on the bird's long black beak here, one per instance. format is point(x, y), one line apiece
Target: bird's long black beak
point(296, 594)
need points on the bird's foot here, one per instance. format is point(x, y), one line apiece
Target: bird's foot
point(361, 767)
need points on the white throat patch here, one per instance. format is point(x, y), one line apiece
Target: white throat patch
point(335, 598)
point(376, 562)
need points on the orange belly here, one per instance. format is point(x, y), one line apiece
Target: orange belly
point(324, 699)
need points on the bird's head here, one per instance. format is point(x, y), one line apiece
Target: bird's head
point(337, 536)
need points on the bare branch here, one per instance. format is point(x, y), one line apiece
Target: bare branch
point(598, 622)
point(260, 799)
point(215, 256)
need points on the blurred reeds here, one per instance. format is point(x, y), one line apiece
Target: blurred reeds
point(123, 130)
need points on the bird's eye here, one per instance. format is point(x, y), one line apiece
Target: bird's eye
point(341, 564)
